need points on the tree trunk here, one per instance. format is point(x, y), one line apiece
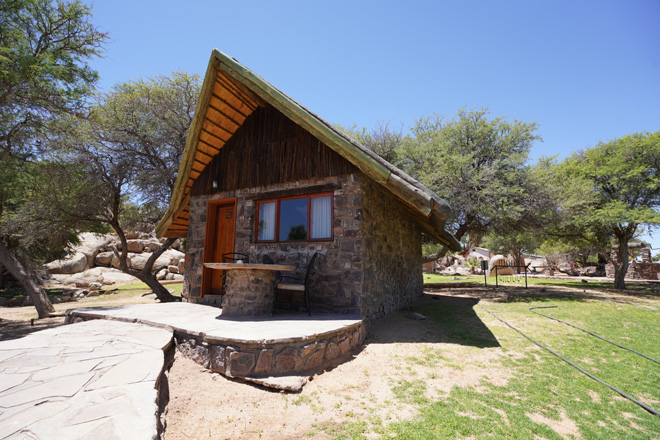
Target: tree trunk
point(432, 257)
point(161, 292)
point(621, 266)
point(145, 275)
point(27, 280)
point(436, 256)
point(149, 277)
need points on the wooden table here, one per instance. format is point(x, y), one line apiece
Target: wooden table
point(249, 288)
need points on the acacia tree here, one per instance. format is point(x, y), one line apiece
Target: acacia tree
point(514, 243)
point(128, 152)
point(384, 140)
point(44, 51)
point(613, 187)
point(478, 164)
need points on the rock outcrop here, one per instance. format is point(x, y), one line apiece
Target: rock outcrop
point(94, 261)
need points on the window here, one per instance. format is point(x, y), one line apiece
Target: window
point(305, 218)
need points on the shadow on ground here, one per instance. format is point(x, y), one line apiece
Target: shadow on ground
point(17, 329)
point(449, 319)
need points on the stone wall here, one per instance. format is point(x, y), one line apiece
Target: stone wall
point(392, 253)
point(337, 281)
point(372, 266)
point(286, 357)
point(637, 271)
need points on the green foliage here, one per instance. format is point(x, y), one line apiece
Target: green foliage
point(478, 164)
point(132, 146)
point(512, 242)
point(431, 247)
point(37, 219)
point(44, 50)
point(607, 193)
point(45, 47)
point(383, 140)
point(144, 125)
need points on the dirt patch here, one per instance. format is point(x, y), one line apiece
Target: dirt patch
point(565, 427)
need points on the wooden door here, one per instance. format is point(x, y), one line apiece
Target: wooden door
point(219, 240)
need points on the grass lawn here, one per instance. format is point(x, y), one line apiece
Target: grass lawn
point(632, 287)
point(531, 394)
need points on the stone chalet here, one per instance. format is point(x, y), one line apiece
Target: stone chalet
point(262, 175)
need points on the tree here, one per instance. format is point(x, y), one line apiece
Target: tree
point(384, 140)
point(44, 50)
point(514, 243)
point(478, 164)
point(613, 187)
point(126, 156)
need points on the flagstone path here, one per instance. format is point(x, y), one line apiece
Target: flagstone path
point(92, 380)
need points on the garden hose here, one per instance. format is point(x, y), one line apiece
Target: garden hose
point(632, 399)
point(587, 331)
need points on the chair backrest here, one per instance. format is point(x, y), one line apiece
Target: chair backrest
point(309, 268)
point(235, 256)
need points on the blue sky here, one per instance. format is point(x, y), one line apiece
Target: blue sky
point(585, 71)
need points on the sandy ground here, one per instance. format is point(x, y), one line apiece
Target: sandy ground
point(209, 406)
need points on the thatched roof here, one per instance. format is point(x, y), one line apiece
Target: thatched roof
point(230, 93)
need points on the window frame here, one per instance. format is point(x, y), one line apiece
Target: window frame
point(278, 201)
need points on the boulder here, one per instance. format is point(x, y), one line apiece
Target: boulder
point(161, 274)
point(91, 244)
point(173, 269)
point(174, 256)
point(182, 265)
point(103, 275)
point(139, 260)
point(136, 246)
point(83, 255)
point(151, 245)
point(115, 261)
point(16, 301)
point(95, 285)
point(104, 259)
point(74, 264)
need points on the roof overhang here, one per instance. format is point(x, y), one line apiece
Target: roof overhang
point(230, 93)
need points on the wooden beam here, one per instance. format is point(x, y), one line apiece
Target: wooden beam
point(221, 120)
point(241, 108)
point(216, 130)
point(238, 88)
point(228, 111)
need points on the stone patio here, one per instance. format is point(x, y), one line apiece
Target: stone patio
point(90, 380)
point(279, 351)
point(100, 377)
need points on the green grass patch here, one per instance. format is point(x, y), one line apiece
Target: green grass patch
point(536, 395)
point(546, 397)
point(632, 288)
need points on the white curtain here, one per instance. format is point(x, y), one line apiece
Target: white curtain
point(321, 217)
point(267, 221)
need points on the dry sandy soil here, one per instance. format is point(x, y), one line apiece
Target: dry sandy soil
point(210, 406)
